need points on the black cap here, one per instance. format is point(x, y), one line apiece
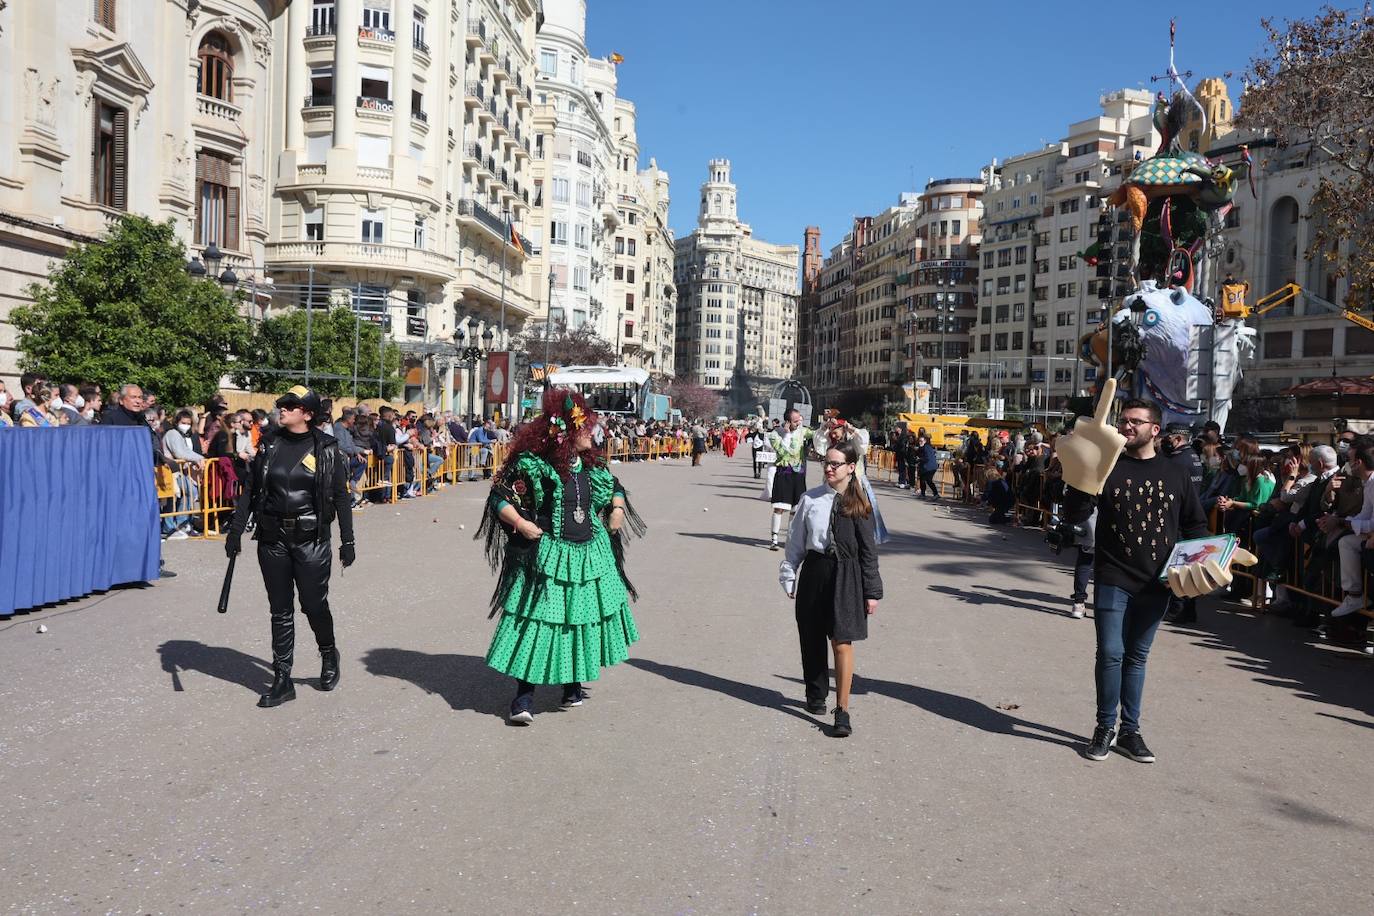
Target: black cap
point(301, 396)
point(1211, 424)
point(1178, 429)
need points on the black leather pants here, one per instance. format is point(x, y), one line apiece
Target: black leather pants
point(288, 569)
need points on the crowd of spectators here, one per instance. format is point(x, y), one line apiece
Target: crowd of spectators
point(210, 446)
point(1305, 509)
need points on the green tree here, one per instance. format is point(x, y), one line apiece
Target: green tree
point(278, 345)
point(123, 310)
point(976, 404)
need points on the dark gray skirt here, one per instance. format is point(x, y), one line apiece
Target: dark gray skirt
point(816, 600)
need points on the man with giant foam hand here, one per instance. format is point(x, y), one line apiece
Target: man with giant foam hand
point(1145, 505)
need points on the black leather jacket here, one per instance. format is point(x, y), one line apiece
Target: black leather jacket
point(331, 497)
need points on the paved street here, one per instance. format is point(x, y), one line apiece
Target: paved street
point(138, 776)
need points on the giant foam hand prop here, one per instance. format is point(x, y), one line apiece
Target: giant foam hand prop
point(1198, 579)
point(1089, 455)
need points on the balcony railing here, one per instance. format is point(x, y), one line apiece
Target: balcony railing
point(319, 101)
point(319, 31)
point(372, 33)
point(368, 103)
point(217, 108)
point(421, 46)
point(420, 116)
point(381, 256)
point(476, 90)
point(472, 151)
point(492, 221)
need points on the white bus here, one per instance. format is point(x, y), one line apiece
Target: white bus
point(617, 390)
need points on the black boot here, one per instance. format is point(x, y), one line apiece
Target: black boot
point(329, 668)
point(281, 690)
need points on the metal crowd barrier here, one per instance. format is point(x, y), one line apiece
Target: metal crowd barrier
point(202, 497)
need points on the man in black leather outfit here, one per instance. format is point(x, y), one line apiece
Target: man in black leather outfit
point(296, 487)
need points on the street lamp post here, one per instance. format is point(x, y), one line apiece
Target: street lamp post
point(487, 337)
point(548, 327)
point(505, 244)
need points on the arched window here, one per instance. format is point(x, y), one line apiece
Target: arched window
point(215, 77)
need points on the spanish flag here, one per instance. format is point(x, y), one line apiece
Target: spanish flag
point(617, 57)
point(516, 241)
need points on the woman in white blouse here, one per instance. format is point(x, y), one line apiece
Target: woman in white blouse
point(831, 569)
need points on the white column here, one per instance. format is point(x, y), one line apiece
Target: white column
point(297, 73)
point(347, 84)
point(402, 77)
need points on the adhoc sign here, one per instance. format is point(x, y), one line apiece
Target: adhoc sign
point(498, 377)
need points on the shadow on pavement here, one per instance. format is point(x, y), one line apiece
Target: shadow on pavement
point(728, 538)
point(1007, 598)
point(220, 662)
point(1279, 655)
point(749, 693)
point(962, 710)
point(463, 681)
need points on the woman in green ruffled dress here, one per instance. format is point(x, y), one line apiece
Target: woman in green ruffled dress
point(554, 527)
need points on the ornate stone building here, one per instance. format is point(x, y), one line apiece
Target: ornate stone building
point(159, 107)
point(737, 299)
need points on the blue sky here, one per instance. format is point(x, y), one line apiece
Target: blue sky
point(830, 110)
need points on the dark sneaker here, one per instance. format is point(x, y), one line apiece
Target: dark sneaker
point(573, 695)
point(1133, 746)
point(1101, 745)
point(842, 727)
point(815, 707)
point(520, 710)
point(773, 544)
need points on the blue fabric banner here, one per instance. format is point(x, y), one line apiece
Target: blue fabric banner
point(78, 513)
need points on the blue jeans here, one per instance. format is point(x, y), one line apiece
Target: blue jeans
point(188, 494)
point(1126, 626)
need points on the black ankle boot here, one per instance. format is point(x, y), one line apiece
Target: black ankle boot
point(329, 668)
point(281, 690)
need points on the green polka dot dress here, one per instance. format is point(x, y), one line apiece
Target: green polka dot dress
point(566, 614)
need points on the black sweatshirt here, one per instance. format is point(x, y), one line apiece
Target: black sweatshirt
point(1146, 507)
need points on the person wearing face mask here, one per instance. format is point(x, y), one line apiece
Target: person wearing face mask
point(179, 444)
point(1255, 485)
point(1350, 532)
point(67, 406)
point(296, 488)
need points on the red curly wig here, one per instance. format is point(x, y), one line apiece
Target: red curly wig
point(553, 434)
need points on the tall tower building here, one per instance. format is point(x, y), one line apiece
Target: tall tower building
point(808, 302)
point(737, 298)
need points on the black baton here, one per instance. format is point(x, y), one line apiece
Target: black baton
point(228, 582)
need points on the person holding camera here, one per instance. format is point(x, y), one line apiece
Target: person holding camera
point(1146, 504)
point(296, 487)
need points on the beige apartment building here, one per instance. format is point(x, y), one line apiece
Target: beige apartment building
point(402, 186)
point(941, 286)
point(642, 291)
point(1013, 208)
point(833, 299)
